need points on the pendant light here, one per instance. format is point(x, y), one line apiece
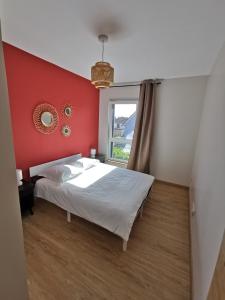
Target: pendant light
point(102, 73)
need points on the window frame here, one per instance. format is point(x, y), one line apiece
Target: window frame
point(110, 122)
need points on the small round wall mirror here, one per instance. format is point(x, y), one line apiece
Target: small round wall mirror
point(47, 118)
point(66, 130)
point(68, 111)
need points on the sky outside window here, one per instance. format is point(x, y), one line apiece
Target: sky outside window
point(124, 110)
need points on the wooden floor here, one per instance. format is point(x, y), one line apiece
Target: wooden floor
point(83, 261)
point(217, 289)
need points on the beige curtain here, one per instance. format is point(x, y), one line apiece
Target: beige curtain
point(139, 159)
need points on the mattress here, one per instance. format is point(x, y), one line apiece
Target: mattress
point(105, 195)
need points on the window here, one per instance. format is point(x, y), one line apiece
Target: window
point(122, 117)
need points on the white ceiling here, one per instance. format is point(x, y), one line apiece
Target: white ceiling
point(148, 38)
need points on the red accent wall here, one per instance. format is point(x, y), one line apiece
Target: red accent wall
point(31, 81)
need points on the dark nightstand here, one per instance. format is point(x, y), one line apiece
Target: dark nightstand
point(100, 157)
point(26, 195)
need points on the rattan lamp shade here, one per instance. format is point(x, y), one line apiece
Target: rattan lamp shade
point(102, 74)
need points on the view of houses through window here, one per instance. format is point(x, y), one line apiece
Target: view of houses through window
point(122, 123)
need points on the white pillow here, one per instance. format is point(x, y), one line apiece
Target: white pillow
point(85, 163)
point(75, 171)
point(60, 173)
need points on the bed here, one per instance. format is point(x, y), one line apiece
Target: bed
point(106, 195)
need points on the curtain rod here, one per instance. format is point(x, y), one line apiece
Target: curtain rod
point(157, 81)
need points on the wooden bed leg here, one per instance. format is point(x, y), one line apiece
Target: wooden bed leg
point(124, 245)
point(141, 211)
point(68, 217)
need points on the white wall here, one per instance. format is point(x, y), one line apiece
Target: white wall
point(177, 119)
point(12, 263)
point(208, 183)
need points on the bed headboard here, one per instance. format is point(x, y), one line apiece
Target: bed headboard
point(35, 170)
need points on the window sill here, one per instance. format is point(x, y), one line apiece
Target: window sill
point(116, 163)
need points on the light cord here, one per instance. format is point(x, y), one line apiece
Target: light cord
point(103, 49)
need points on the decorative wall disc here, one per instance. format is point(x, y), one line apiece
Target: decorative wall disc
point(67, 110)
point(45, 118)
point(66, 130)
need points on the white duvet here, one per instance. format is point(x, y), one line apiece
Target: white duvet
point(105, 195)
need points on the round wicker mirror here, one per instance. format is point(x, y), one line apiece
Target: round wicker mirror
point(45, 118)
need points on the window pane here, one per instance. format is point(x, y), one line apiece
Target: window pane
point(120, 150)
point(123, 120)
